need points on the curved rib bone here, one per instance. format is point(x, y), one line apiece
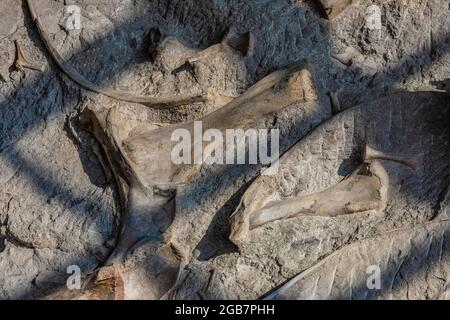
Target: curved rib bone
point(146, 263)
point(157, 102)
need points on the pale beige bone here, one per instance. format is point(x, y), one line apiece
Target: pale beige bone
point(146, 262)
point(22, 62)
point(365, 189)
point(409, 161)
point(332, 8)
point(347, 56)
point(72, 73)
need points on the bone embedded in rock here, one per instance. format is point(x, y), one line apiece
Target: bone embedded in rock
point(365, 189)
point(332, 8)
point(280, 89)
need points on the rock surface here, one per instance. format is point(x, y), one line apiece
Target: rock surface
point(59, 208)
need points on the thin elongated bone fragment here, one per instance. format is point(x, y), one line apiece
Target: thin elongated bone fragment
point(146, 262)
point(22, 62)
point(156, 102)
point(365, 189)
point(372, 154)
point(347, 56)
point(332, 8)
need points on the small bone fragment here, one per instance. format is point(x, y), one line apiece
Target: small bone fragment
point(371, 154)
point(347, 56)
point(365, 189)
point(22, 62)
point(332, 8)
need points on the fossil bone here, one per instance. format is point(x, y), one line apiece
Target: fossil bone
point(146, 262)
point(365, 189)
point(372, 154)
point(22, 62)
point(332, 8)
point(72, 73)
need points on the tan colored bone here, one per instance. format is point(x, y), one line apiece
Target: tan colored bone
point(365, 189)
point(371, 154)
point(22, 62)
point(146, 262)
point(332, 8)
point(274, 92)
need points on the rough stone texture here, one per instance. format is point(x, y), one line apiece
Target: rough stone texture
point(57, 207)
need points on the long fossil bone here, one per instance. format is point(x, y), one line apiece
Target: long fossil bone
point(72, 73)
point(274, 92)
point(146, 261)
